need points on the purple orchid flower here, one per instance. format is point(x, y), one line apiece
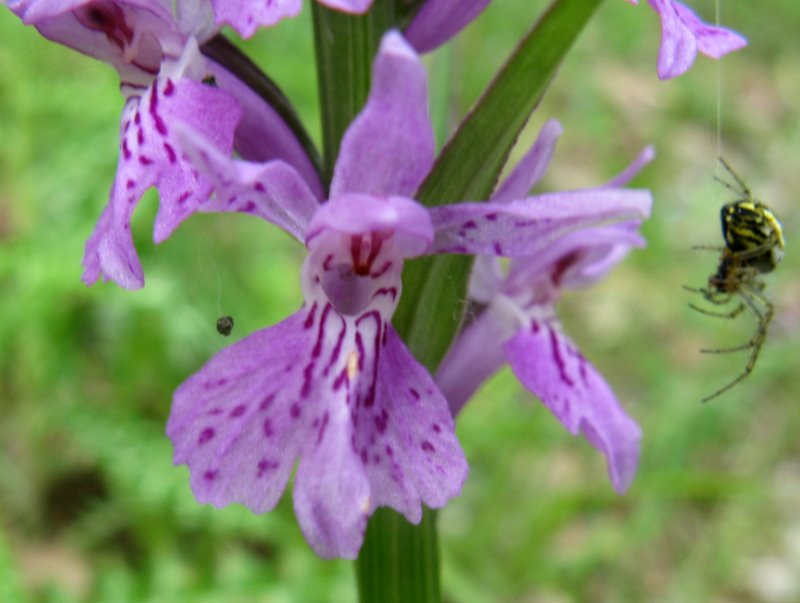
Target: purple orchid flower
point(165, 81)
point(519, 323)
point(246, 16)
point(683, 33)
point(333, 384)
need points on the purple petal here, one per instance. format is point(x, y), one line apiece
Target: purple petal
point(712, 41)
point(195, 19)
point(683, 34)
point(388, 149)
point(246, 16)
point(532, 166)
point(31, 11)
point(133, 36)
point(439, 20)
point(150, 156)
point(401, 441)
point(262, 135)
point(528, 226)
point(549, 365)
point(332, 491)
point(625, 176)
point(415, 457)
point(408, 222)
point(233, 422)
point(678, 45)
point(476, 354)
point(273, 191)
point(486, 279)
point(577, 259)
point(344, 395)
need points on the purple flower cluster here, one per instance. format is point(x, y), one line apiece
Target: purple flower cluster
point(333, 389)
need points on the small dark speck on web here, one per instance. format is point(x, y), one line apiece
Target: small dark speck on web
point(225, 325)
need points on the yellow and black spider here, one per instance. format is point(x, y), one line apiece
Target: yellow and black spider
point(753, 246)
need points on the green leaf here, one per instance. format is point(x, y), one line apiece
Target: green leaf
point(469, 165)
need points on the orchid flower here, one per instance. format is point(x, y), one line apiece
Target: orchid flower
point(683, 33)
point(519, 324)
point(165, 80)
point(333, 384)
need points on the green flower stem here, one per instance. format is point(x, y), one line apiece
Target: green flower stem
point(345, 46)
point(399, 561)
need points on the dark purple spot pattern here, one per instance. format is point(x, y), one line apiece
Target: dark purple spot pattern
point(558, 359)
point(265, 466)
point(205, 436)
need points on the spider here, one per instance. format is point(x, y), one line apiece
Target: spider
point(753, 246)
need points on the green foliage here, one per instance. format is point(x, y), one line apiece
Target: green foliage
point(91, 509)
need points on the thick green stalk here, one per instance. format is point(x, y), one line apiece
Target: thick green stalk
point(345, 46)
point(399, 561)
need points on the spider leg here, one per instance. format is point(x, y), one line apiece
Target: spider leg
point(752, 297)
point(708, 247)
point(742, 186)
point(732, 314)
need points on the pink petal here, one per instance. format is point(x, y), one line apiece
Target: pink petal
point(532, 166)
point(712, 41)
point(439, 20)
point(683, 34)
point(234, 422)
point(273, 191)
point(578, 259)
point(388, 149)
point(406, 220)
point(527, 226)
point(415, 457)
point(150, 156)
point(548, 363)
point(246, 16)
point(262, 135)
point(355, 7)
point(475, 355)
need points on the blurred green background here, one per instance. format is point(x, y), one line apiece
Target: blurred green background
point(91, 508)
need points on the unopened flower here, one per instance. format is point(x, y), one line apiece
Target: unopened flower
point(333, 384)
point(519, 324)
point(165, 80)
